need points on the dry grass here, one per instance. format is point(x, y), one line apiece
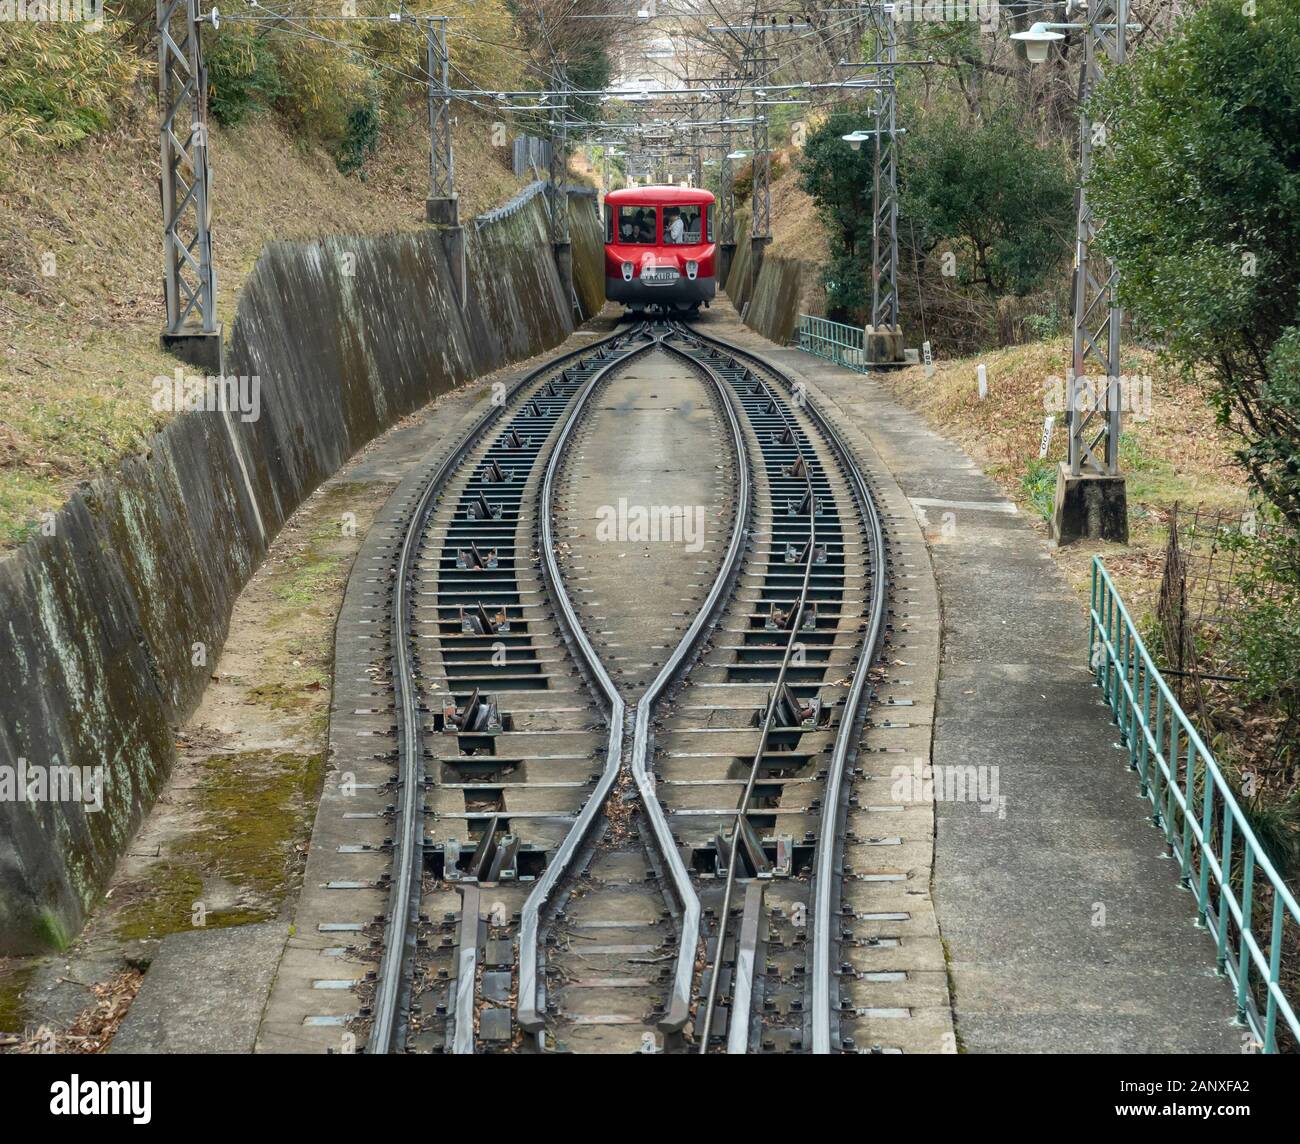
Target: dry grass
point(79, 347)
point(797, 230)
point(1177, 454)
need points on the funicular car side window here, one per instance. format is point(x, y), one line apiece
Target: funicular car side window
point(690, 216)
point(638, 224)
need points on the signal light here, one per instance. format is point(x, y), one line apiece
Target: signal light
point(627, 271)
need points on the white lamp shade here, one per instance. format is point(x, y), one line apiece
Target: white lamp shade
point(1037, 41)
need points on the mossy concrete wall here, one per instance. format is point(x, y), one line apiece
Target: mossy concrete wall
point(787, 285)
point(588, 272)
point(111, 625)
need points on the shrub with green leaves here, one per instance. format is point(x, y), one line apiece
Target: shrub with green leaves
point(1002, 203)
point(243, 74)
point(1264, 633)
point(1198, 190)
point(840, 180)
point(60, 82)
point(362, 135)
point(1039, 485)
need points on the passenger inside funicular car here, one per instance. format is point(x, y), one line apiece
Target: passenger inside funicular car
point(637, 224)
point(682, 223)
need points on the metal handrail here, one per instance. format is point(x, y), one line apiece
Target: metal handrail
point(521, 199)
point(1177, 771)
point(834, 341)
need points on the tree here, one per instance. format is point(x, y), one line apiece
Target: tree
point(988, 189)
point(840, 181)
point(1198, 190)
point(588, 69)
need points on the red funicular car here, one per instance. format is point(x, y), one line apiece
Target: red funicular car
point(659, 252)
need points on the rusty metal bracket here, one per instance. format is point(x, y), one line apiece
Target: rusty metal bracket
point(480, 508)
point(476, 621)
point(471, 557)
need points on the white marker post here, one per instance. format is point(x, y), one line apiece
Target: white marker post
point(928, 358)
point(983, 380)
point(1048, 422)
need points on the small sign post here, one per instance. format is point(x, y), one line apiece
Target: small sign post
point(1048, 422)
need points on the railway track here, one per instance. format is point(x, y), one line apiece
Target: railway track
point(469, 613)
point(584, 860)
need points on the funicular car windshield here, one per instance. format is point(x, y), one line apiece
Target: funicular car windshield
point(638, 224)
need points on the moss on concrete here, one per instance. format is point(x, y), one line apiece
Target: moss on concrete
point(254, 807)
point(13, 1010)
point(51, 931)
point(161, 903)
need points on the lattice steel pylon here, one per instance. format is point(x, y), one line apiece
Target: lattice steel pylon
point(884, 227)
point(557, 190)
point(697, 153)
point(1095, 400)
point(442, 173)
point(189, 278)
point(761, 165)
point(726, 180)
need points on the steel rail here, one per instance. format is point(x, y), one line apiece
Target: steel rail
point(677, 1012)
point(392, 991)
point(735, 1044)
point(463, 1041)
point(828, 841)
point(527, 1008)
point(742, 991)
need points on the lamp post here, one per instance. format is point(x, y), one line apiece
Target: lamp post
point(1091, 499)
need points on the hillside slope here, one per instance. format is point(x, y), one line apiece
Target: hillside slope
point(80, 273)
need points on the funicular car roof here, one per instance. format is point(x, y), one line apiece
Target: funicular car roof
point(658, 196)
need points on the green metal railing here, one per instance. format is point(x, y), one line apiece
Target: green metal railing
point(833, 341)
point(1219, 857)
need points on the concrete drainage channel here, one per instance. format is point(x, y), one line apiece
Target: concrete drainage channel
point(481, 819)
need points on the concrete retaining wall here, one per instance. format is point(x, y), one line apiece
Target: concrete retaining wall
point(786, 287)
point(110, 627)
